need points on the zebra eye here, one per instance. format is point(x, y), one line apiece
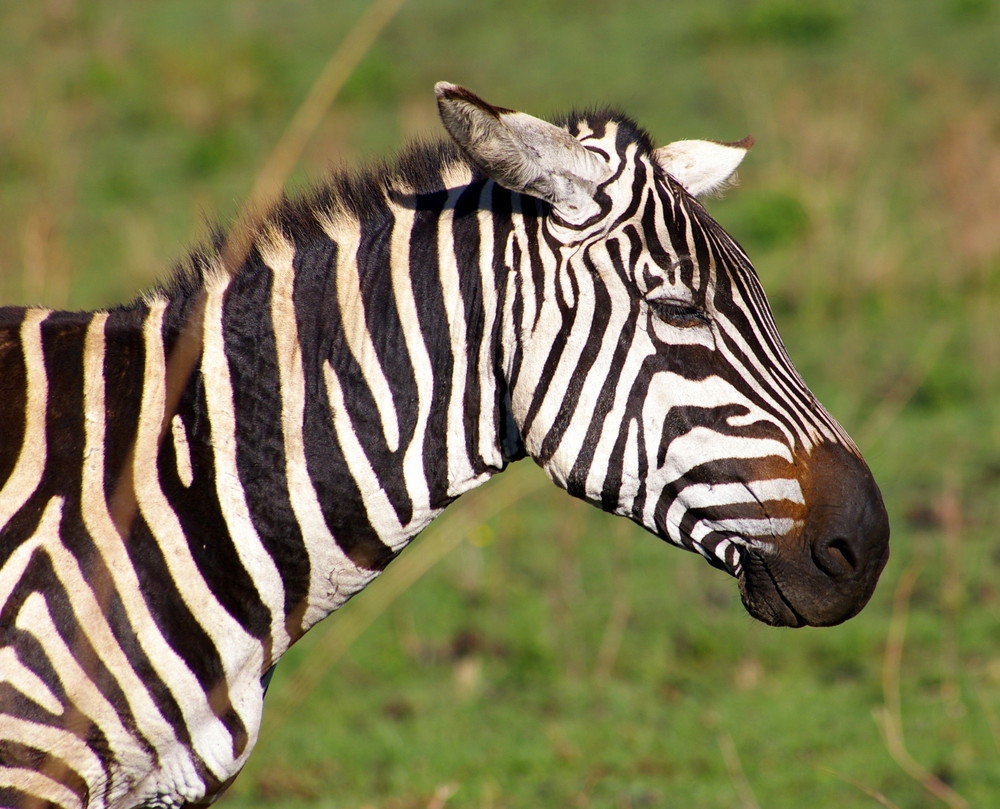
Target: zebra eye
point(678, 313)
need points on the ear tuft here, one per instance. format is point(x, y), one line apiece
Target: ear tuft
point(703, 166)
point(451, 97)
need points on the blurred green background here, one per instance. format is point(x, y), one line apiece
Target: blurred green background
point(528, 650)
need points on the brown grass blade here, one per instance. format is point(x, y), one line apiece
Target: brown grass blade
point(889, 717)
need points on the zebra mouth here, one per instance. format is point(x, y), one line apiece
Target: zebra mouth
point(762, 594)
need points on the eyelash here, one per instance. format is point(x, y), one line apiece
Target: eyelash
point(677, 313)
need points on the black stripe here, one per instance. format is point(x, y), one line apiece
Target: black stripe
point(26, 756)
point(124, 362)
point(13, 396)
point(179, 626)
point(576, 481)
point(260, 448)
point(382, 319)
point(320, 334)
point(200, 516)
point(39, 577)
point(432, 316)
point(467, 248)
point(581, 373)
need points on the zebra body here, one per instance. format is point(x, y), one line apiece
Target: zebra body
point(388, 344)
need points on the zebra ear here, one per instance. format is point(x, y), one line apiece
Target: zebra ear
point(523, 153)
point(702, 166)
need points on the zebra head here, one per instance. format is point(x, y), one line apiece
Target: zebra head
point(644, 368)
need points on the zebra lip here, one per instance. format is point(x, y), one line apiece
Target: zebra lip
point(762, 595)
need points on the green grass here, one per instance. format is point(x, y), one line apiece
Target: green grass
point(556, 656)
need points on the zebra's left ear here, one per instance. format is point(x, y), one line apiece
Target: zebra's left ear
point(702, 166)
point(523, 153)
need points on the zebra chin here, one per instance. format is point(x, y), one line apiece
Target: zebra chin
point(826, 570)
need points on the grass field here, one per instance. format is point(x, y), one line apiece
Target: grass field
point(528, 650)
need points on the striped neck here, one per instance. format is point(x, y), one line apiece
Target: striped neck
point(350, 379)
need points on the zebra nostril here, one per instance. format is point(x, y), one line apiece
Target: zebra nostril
point(836, 557)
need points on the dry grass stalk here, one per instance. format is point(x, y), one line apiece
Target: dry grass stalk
point(288, 150)
point(924, 358)
point(441, 796)
point(874, 794)
point(184, 357)
point(46, 271)
point(949, 512)
point(435, 543)
point(889, 717)
point(731, 758)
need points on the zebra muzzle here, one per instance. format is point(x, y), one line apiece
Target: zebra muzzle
point(826, 571)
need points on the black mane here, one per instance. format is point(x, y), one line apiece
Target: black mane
point(358, 194)
point(597, 119)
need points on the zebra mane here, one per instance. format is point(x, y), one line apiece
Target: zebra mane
point(597, 120)
point(420, 167)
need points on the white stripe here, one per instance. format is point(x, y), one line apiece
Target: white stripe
point(696, 276)
point(631, 480)
point(89, 610)
point(24, 680)
point(702, 445)
point(254, 557)
point(182, 450)
point(378, 507)
point(239, 652)
point(521, 279)
point(751, 528)
point(701, 495)
point(35, 618)
point(355, 326)
point(539, 325)
point(71, 747)
point(554, 389)
point(13, 569)
point(489, 440)
point(784, 408)
point(414, 476)
point(30, 464)
point(44, 789)
point(636, 355)
point(461, 476)
point(167, 664)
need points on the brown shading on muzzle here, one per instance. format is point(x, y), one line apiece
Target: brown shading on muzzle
point(825, 572)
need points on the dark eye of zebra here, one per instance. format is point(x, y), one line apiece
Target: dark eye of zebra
point(678, 313)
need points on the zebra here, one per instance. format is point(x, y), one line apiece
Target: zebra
point(388, 342)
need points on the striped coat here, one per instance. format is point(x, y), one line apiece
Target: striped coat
point(388, 343)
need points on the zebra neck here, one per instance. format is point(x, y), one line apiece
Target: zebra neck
point(349, 386)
